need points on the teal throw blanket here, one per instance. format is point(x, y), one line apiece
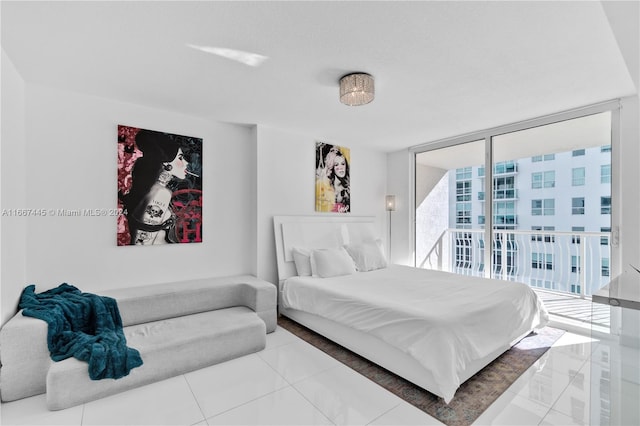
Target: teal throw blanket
point(85, 326)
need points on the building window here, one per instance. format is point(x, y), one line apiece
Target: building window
point(546, 207)
point(504, 213)
point(543, 179)
point(605, 205)
point(463, 173)
point(575, 288)
point(536, 180)
point(463, 250)
point(536, 207)
point(577, 152)
point(534, 235)
point(575, 239)
point(577, 176)
point(481, 171)
point(577, 205)
point(605, 267)
point(463, 190)
point(501, 264)
point(541, 283)
point(605, 173)
point(605, 148)
point(505, 167)
point(549, 179)
point(481, 196)
point(463, 257)
point(546, 157)
point(604, 240)
point(481, 220)
point(575, 264)
point(539, 236)
point(542, 261)
point(463, 213)
point(504, 187)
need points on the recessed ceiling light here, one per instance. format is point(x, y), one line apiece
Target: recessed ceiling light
point(247, 58)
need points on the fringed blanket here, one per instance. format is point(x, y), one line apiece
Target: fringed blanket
point(85, 326)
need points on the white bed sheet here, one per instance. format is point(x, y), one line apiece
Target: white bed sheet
point(443, 320)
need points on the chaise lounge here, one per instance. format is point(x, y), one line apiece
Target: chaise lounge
point(177, 327)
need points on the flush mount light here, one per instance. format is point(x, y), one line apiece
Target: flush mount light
point(356, 89)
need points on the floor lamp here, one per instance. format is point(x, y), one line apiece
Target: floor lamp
point(390, 202)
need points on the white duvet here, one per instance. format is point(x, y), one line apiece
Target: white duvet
point(443, 320)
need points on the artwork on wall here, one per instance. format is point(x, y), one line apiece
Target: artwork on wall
point(333, 190)
point(159, 187)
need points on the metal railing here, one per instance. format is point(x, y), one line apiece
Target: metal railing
point(570, 262)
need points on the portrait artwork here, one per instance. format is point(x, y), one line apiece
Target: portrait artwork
point(333, 190)
point(159, 188)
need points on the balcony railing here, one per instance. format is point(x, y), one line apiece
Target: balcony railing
point(500, 194)
point(571, 262)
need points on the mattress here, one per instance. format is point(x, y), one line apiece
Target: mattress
point(445, 321)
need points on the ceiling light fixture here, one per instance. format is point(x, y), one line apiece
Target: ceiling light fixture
point(356, 89)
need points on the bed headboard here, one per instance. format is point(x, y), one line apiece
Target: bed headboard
point(313, 232)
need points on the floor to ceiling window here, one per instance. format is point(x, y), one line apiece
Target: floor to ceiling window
point(449, 218)
point(541, 195)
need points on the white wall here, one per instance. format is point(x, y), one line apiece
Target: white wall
point(400, 178)
point(13, 188)
point(71, 163)
point(432, 195)
point(624, 18)
point(286, 186)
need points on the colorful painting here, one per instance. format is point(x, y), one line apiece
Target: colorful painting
point(159, 187)
point(333, 189)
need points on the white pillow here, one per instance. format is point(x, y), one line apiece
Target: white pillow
point(327, 263)
point(302, 259)
point(368, 256)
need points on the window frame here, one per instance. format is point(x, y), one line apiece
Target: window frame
point(605, 208)
point(605, 177)
point(577, 210)
point(613, 107)
point(580, 180)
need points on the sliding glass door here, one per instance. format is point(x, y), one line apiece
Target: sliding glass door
point(552, 198)
point(532, 205)
point(449, 209)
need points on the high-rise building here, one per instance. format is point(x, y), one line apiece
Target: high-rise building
point(551, 218)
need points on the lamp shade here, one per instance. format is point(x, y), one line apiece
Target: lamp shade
point(356, 89)
point(390, 202)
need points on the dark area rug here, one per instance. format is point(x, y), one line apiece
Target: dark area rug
point(471, 399)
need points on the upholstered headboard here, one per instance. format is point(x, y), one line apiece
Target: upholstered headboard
point(315, 232)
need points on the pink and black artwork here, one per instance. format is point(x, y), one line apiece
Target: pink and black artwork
point(159, 187)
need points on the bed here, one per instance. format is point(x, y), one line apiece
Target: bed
point(433, 328)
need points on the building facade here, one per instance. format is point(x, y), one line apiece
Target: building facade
point(551, 220)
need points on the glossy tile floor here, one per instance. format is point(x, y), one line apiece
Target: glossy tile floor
point(293, 383)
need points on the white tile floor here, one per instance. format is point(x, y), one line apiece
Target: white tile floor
point(293, 383)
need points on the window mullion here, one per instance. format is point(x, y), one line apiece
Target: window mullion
point(488, 206)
